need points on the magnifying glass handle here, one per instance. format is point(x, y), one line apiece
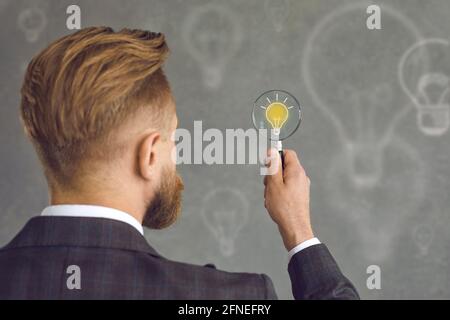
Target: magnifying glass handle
point(282, 158)
point(279, 147)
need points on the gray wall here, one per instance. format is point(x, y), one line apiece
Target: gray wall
point(380, 177)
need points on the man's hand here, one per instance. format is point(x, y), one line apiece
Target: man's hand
point(286, 197)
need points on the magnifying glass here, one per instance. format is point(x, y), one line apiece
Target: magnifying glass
point(280, 113)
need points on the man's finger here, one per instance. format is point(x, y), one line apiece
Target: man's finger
point(292, 164)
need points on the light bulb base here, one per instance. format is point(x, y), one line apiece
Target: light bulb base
point(275, 134)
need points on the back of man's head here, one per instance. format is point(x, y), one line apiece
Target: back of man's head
point(85, 85)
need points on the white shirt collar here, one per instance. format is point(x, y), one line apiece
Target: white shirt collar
point(91, 211)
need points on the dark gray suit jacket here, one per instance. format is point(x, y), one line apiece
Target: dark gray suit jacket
point(116, 262)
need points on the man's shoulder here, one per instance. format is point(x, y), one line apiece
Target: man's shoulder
point(119, 266)
point(219, 283)
point(137, 274)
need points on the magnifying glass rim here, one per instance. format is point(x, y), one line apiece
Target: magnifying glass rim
point(300, 113)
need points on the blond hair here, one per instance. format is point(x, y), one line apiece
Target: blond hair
point(82, 86)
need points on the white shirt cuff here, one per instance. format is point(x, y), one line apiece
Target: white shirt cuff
point(303, 245)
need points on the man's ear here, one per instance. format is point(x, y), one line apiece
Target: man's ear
point(148, 153)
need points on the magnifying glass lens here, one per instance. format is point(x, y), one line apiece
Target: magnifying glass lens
point(277, 111)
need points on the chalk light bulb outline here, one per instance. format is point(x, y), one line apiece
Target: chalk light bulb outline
point(32, 21)
point(277, 12)
point(355, 144)
point(225, 213)
point(439, 111)
point(423, 237)
point(212, 49)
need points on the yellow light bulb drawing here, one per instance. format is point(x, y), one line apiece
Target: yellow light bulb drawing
point(275, 110)
point(277, 114)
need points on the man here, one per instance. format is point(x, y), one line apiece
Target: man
point(99, 112)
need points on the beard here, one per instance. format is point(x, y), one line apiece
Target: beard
point(165, 207)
